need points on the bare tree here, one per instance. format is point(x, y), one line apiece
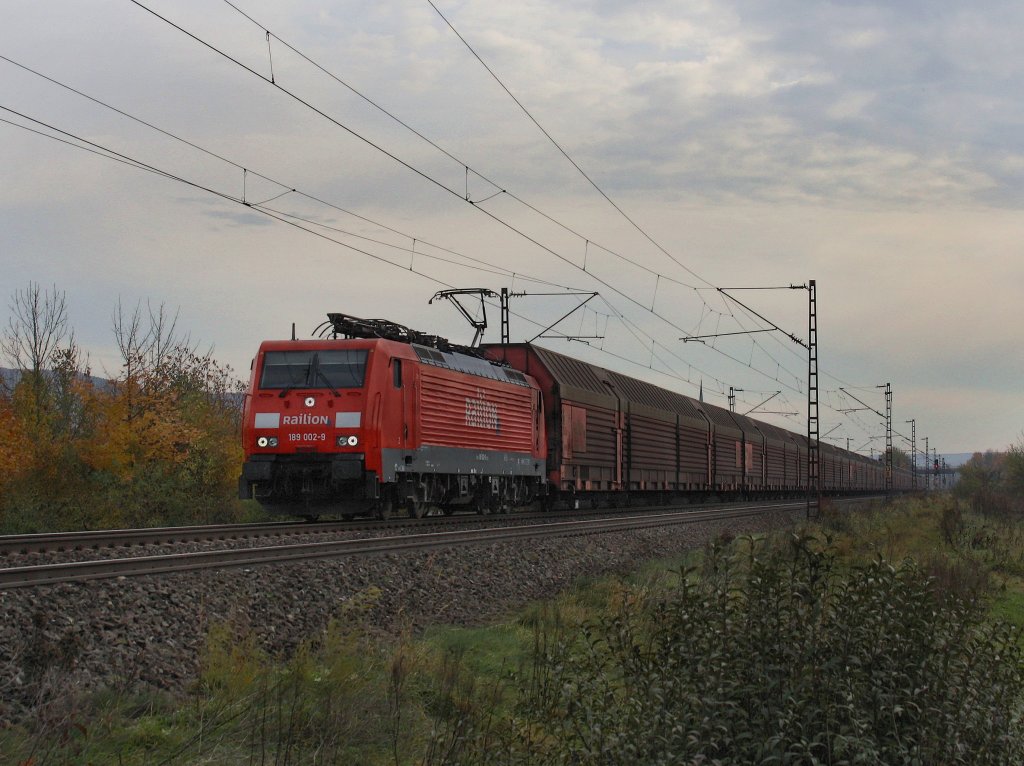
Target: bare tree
point(144, 349)
point(130, 339)
point(35, 330)
point(165, 343)
point(37, 326)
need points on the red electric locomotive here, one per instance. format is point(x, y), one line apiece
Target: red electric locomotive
point(385, 419)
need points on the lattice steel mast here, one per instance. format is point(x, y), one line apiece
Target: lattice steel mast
point(813, 444)
point(913, 453)
point(888, 437)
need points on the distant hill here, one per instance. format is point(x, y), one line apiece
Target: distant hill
point(956, 459)
point(10, 378)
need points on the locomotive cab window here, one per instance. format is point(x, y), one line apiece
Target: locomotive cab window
point(396, 372)
point(342, 368)
point(336, 368)
point(286, 369)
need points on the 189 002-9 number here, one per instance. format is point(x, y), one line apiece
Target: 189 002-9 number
point(307, 437)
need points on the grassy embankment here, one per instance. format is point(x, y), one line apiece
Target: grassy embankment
point(865, 638)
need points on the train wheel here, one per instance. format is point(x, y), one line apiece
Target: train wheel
point(414, 508)
point(384, 509)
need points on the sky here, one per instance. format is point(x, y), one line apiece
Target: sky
point(316, 156)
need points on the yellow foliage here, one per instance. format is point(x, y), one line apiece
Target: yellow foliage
point(135, 427)
point(13, 445)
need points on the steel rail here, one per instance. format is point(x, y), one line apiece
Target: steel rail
point(46, 542)
point(94, 539)
point(49, 574)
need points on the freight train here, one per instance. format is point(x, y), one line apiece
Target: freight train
point(378, 419)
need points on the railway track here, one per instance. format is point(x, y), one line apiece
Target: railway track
point(50, 542)
point(131, 566)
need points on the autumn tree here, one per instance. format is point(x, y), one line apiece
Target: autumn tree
point(169, 433)
point(900, 458)
point(1014, 478)
point(37, 326)
point(157, 442)
point(993, 482)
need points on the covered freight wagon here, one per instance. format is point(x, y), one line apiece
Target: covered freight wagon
point(609, 433)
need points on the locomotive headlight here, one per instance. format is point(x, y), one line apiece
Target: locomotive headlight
point(347, 441)
point(272, 441)
point(310, 401)
point(353, 441)
point(263, 441)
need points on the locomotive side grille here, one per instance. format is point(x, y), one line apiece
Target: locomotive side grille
point(463, 412)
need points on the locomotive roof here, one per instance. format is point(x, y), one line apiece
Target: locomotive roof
point(471, 365)
point(449, 360)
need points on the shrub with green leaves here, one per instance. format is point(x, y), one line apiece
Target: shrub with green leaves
point(773, 656)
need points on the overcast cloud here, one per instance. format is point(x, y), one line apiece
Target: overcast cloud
point(875, 147)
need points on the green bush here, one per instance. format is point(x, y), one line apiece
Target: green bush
point(993, 482)
point(780, 658)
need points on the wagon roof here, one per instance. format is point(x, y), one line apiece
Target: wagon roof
point(574, 375)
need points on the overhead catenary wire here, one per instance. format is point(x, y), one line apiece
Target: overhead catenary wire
point(593, 183)
point(640, 304)
point(426, 176)
point(107, 153)
point(467, 169)
point(83, 144)
point(92, 147)
point(287, 188)
point(563, 152)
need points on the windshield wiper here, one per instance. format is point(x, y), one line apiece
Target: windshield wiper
point(286, 389)
point(293, 386)
point(320, 374)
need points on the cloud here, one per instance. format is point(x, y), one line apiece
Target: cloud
point(239, 219)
